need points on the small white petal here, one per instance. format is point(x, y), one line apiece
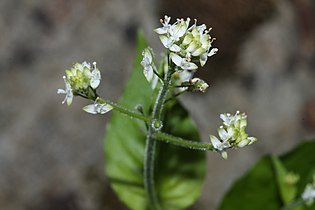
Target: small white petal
point(61, 91)
point(161, 31)
point(95, 83)
point(189, 66)
point(105, 108)
point(86, 64)
point(185, 76)
point(154, 82)
point(243, 143)
point(165, 41)
point(215, 142)
point(224, 155)
point(213, 51)
point(203, 59)
point(95, 78)
point(187, 40)
point(178, 30)
point(224, 135)
point(69, 99)
point(175, 48)
point(90, 109)
point(176, 59)
point(67, 91)
point(97, 108)
point(198, 52)
point(224, 117)
point(147, 55)
point(251, 140)
point(167, 19)
point(192, 47)
point(204, 39)
point(148, 73)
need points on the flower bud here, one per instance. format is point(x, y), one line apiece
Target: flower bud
point(199, 85)
point(78, 79)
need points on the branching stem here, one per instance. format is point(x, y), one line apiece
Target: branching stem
point(181, 142)
point(151, 145)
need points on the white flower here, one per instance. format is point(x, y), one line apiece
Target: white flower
point(148, 67)
point(192, 42)
point(166, 26)
point(85, 65)
point(225, 134)
point(182, 63)
point(95, 77)
point(67, 91)
point(204, 56)
point(232, 133)
point(220, 146)
point(178, 29)
point(169, 34)
point(309, 193)
point(229, 119)
point(246, 141)
point(81, 76)
point(97, 108)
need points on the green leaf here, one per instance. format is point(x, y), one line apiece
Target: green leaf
point(179, 172)
point(258, 188)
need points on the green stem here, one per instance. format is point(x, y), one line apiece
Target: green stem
point(181, 142)
point(125, 111)
point(149, 171)
point(157, 74)
point(151, 145)
point(174, 96)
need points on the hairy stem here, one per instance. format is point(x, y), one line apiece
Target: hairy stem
point(174, 96)
point(125, 111)
point(151, 145)
point(182, 142)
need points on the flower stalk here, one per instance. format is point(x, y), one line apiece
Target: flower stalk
point(195, 145)
point(126, 111)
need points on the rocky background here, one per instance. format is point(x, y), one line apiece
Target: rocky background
point(51, 155)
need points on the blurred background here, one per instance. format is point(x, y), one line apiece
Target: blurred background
point(51, 155)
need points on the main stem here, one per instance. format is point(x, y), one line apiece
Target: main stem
point(151, 145)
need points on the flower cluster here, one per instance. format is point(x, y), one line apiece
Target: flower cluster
point(195, 84)
point(231, 134)
point(309, 193)
point(83, 80)
point(187, 44)
point(79, 79)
